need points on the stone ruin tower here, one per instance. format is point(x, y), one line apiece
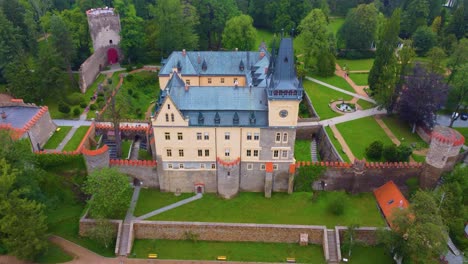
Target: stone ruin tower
point(104, 27)
point(443, 153)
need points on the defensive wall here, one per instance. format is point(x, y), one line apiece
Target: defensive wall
point(91, 68)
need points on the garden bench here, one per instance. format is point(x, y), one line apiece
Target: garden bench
point(224, 258)
point(152, 256)
point(291, 260)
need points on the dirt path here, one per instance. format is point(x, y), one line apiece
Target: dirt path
point(343, 143)
point(359, 89)
point(11, 260)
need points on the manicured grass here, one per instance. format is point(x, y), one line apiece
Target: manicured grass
point(336, 81)
point(402, 131)
point(337, 144)
point(321, 97)
point(54, 254)
point(76, 139)
point(55, 140)
point(365, 104)
point(126, 144)
point(144, 155)
point(302, 150)
point(335, 23)
point(234, 251)
point(418, 158)
point(360, 133)
point(359, 78)
point(361, 209)
point(369, 255)
point(150, 200)
point(464, 132)
point(356, 65)
point(263, 35)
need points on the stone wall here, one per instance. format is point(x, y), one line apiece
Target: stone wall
point(96, 159)
point(227, 231)
point(326, 149)
point(141, 170)
point(228, 180)
point(310, 107)
point(90, 69)
point(365, 235)
point(42, 130)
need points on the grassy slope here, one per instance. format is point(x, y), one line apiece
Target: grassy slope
point(150, 200)
point(321, 96)
point(336, 81)
point(55, 140)
point(302, 150)
point(263, 35)
point(361, 133)
point(144, 155)
point(126, 148)
point(337, 144)
point(356, 65)
point(361, 210)
point(76, 139)
point(335, 23)
point(235, 251)
point(365, 104)
point(359, 78)
point(403, 131)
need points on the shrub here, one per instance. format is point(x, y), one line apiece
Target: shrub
point(390, 153)
point(130, 91)
point(76, 111)
point(129, 77)
point(404, 152)
point(93, 107)
point(75, 99)
point(306, 176)
point(63, 108)
point(423, 40)
point(100, 99)
point(413, 186)
point(136, 95)
point(374, 150)
point(109, 80)
point(337, 204)
point(83, 105)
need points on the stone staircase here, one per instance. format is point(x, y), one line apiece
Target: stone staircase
point(313, 150)
point(332, 253)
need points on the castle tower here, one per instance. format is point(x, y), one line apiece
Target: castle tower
point(104, 27)
point(444, 149)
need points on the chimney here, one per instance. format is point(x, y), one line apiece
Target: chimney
point(4, 115)
point(262, 54)
point(184, 52)
point(199, 58)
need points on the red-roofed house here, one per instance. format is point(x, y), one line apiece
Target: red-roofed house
point(389, 197)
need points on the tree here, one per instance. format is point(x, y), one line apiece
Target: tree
point(422, 95)
point(436, 57)
point(239, 33)
point(360, 27)
point(326, 63)
point(77, 24)
point(423, 40)
point(457, 58)
point(110, 191)
point(458, 94)
point(22, 79)
point(10, 41)
point(457, 24)
point(313, 30)
point(405, 58)
point(374, 150)
point(383, 75)
point(62, 41)
point(132, 33)
point(349, 240)
point(22, 221)
point(104, 232)
point(48, 67)
point(415, 15)
point(418, 233)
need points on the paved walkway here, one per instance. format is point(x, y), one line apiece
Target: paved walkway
point(169, 207)
point(344, 118)
point(125, 234)
point(343, 143)
point(358, 88)
point(67, 138)
point(363, 97)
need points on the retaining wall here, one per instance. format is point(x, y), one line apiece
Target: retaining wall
point(90, 69)
point(142, 170)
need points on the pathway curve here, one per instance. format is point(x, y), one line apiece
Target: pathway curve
point(344, 118)
point(343, 74)
point(363, 97)
point(343, 143)
point(169, 207)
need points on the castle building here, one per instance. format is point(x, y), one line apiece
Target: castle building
point(226, 120)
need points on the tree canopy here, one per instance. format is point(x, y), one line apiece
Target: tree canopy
point(314, 32)
point(239, 33)
point(360, 27)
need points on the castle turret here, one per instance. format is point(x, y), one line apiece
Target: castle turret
point(104, 27)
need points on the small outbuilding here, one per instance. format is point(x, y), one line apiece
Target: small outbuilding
point(389, 197)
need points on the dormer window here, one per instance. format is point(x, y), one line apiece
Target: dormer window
point(252, 119)
point(235, 120)
point(217, 119)
point(285, 59)
point(241, 66)
point(201, 118)
point(179, 66)
point(204, 65)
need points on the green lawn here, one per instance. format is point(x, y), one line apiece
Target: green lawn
point(365, 104)
point(362, 210)
point(126, 144)
point(335, 24)
point(57, 137)
point(464, 132)
point(93, 87)
point(54, 254)
point(234, 251)
point(76, 139)
point(402, 131)
point(302, 150)
point(144, 155)
point(336, 81)
point(361, 133)
point(263, 35)
point(321, 97)
point(356, 65)
point(337, 144)
point(418, 158)
point(151, 199)
point(369, 255)
point(359, 78)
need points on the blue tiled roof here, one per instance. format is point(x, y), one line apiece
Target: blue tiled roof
point(18, 116)
point(226, 118)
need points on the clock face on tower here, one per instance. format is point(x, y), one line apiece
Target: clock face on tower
point(283, 113)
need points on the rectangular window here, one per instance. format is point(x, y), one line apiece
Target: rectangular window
point(255, 153)
point(275, 166)
point(181, 166)
point(285, 137)
point(187, 82)
point(275, 154)
point(209, 80)
point(202, 165)
point(262, 167)
point(181, 152)
point(207, 152)
point(169, 166)
point(179, 136)
point(249, 136)
point(168, 106)
point(207, 136)
point(249, 166)
point(222, 80)
point(227, 136)
point(256, 136)
point(284, 154)
point(199, 137)
point(167, 117)
point(213, 166)
point(172, 117)
point(227, 152)
point(169, 152)
point(249, 153)
point(167, 136)
point(278, 137)
point(200, 153)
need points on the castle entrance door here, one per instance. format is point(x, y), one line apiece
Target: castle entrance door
point(112, 56)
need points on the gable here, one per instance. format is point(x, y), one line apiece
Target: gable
point(169, 115)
